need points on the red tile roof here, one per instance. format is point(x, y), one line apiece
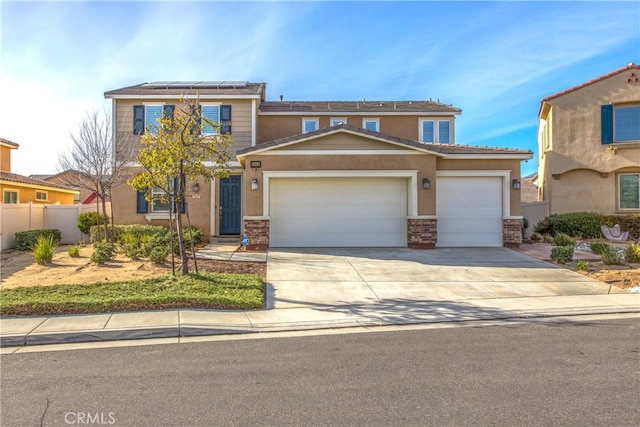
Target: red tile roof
point(21, 179)
point(10, 143)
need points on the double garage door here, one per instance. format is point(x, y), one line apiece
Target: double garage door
point(338, 212)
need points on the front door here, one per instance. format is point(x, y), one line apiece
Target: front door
point(230, 205)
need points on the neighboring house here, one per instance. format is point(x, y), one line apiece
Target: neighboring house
point(23, 189)
point(332, 173)
point(84, 196)
point(589, 145)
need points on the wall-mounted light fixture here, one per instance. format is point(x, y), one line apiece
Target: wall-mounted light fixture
point(426, 184)
point(196, 187)
point(515, 184)
point(254, 184)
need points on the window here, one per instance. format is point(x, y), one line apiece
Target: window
point(10, 196)
point(159, 202)
point(309, 125)
point(41, 196)
point(371, 124)
point(338, 121)
point(620, 123)
point(146, 116)
point(435, 131)
point(210, 113)
point(629, 190)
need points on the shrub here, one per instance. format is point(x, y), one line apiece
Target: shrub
point(582, 265)
point(547, 238)
point(584, 225)
point(74, 251)
point(197, 235)
point(89, 219)
point(103, 252)
point(44, 249)
point(612, 259)
point(632, 253)
point(26, 240)
point(562, 239)
point(602, 248)
point(96, 233)
point(562, 254)
point(159, 255)
point(536, 237)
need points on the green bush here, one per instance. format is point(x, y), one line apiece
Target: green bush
point(547, 238)
point(585, 225)
point(159, 255)
point(536, 237)
point(74, 251)
point(26, 240)
point(96, 233)
point(562, 239)
point(582, 265)
point(44, 249)
point(632, 253)
point(89, 219)
point(562, 254)
point(602, 248)
point(103, 252)
point(612, 259)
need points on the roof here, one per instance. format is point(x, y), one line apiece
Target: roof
point(178, 88)
point(630, 66)
point(337, 107)
point(9, 143)
point(40, 176)
point(21, 179)
point(443, 150)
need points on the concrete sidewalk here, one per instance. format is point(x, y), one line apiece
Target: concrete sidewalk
point(397, 306)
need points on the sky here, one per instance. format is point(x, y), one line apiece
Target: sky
point(493, 60)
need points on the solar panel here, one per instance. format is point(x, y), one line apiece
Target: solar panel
point(196, 84)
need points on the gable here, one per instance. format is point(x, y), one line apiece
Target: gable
point(342, 142)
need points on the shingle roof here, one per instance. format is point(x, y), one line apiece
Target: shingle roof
point(337, 107)
point(7, 142)
point(21, 179)
point(630, 66)
point(442, 149)
point(177, 88)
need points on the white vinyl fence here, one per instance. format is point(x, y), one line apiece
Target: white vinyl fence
point(534, 212)
point(32, 216)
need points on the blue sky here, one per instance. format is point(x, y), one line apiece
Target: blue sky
point(493, 60)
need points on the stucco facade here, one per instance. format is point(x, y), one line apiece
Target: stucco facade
point(578, 170)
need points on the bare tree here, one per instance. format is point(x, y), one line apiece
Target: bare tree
point(94, 161)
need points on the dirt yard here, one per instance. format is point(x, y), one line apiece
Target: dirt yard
point(18, 268)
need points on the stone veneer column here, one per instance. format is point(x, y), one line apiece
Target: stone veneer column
point(422, 233)
point(512, 232)
point(257, 230)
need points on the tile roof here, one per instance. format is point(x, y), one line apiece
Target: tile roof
point(189, 88)
point(10, 143)
point(337, 107)
point(630, 66)
point(21, 179)
point(442, 149)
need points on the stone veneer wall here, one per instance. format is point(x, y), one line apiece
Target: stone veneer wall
point(422, 233)
point(512, 232)
point(257, 230)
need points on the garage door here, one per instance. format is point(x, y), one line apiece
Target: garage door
point(469, 211)
point(338, 212)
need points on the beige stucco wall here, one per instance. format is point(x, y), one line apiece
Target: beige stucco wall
point(572, 147)
point(240, 121)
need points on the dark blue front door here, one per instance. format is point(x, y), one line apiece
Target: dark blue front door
point(230, 205)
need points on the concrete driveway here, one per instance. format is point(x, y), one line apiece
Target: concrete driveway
point(347, 276)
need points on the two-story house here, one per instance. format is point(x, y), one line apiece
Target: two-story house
point(589, 145)
point(16, 188)
point(332, 173)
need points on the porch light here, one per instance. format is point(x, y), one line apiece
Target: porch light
point(515, 184)
point(254, 184)
point(426, 184)
point(196, 187)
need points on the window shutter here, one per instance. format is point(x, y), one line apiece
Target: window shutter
point(443, 132)
point(138, 119)
point(142, 206)
point(225, 119)
point(606, 123)
point(168, 111)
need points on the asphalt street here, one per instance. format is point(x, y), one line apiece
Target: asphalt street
point(564, 372)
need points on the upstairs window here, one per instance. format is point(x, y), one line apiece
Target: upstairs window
point(620, 123)
point(145, 117)
point(629, 191)
point(309, 125)
point(10, 197)
point(338, 121)
point(435, 131)
point(41, 196)
point(371, 124)
point(210, 113)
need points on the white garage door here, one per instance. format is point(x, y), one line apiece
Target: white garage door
point(338, 212)
point(469, 211)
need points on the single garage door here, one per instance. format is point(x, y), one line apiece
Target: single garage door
point(469, 211)
point(338, 212)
